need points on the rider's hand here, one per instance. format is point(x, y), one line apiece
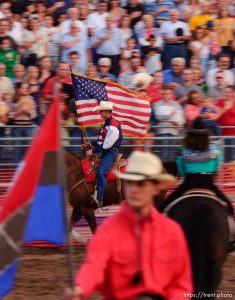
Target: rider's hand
point(89, 152)
point(83, 146)
point(73, 294)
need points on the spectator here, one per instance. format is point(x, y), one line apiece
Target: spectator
point(126, 77)
point(23, 115)
point(154, 90)
point(169, 114)
point(72, 18)
point(19, 73)
point(223, 65)
point(226, 106)
point(173, 77)
point(53, 35)
point(125, 28)
point(91, 71)
point(109, 43)
point(45, 68)
point(194, 62)
point(217, 91)
point(224, 26)
point(152, 56)
point(97, 19)
point(116, 12)
point(127, 53)
point(209, 113)
point(35, 43)
point(58, 7)
point(8, 56)
point(6, 85)
point(148, 30)
point(41, 9)
point(200, 48)
point(4, 30)
point(181, 91)
point(75, 40)
point(192, 109)
point(192, 8)
point(83, 13)
point(199, 79)
point(32, 78)
point(175, 34)
point(53, 85)
point(159, 9)
point(135, 11)
point(104, 65)
point(202, 18)
point(74, 62)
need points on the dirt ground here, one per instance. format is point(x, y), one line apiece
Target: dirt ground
point(43, 274)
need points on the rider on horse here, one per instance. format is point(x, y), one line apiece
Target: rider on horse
point(108, 143)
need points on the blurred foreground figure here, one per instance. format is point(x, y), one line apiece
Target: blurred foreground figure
point(137, 253)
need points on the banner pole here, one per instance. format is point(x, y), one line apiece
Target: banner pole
point(68, 243)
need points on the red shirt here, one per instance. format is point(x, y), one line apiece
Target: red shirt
point(115, 251)
point(51, 88)
point(154, 93)
point(227, 118)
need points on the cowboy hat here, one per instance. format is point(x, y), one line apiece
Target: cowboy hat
point(146, 166)
point(199, 127)
point(142, 80)
point(104, 105)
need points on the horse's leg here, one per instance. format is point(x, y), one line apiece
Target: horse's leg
point(76, 216)
point(89, 215)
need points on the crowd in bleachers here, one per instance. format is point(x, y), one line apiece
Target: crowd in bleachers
point(184, 51)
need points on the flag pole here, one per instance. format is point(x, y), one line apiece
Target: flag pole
point(69, 252)
point(81, 130)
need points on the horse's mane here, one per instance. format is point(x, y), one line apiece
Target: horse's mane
point(74, 155)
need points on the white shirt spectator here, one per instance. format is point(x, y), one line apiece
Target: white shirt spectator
point(96, 20)
point(211, 80)
point(65, 26)
point(169, 28)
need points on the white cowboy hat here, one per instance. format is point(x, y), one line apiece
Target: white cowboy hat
point(142, 80)
point(146, 166)
point(104, 105)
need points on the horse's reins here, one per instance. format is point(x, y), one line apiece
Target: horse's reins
point(83, 180)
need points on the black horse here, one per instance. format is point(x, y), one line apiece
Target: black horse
point(204, 220)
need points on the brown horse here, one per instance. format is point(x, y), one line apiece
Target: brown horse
point(80, 192)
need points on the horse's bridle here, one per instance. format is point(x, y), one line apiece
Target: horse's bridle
point(83, 180)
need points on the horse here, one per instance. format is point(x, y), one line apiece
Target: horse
point(80, 192)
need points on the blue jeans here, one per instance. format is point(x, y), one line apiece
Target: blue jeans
point(107, 160)
point(21, 133)
point(230, 150)
point(172, 51)
point(166, 152)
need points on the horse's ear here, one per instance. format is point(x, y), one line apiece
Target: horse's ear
point(171, 167)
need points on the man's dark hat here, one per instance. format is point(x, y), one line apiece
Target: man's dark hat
point(199, 127)
point(179, 32)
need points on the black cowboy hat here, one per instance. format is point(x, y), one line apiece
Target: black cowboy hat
point(199, 127)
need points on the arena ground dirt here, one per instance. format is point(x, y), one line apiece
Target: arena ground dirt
point(43, 275)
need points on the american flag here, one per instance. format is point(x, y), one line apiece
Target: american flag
point(131, 109)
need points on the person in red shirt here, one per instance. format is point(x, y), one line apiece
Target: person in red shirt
point(137, 253)
point(226, 117)
point(52, 87)
point(154, 90)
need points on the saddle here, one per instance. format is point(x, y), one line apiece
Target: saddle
point(90, 170)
